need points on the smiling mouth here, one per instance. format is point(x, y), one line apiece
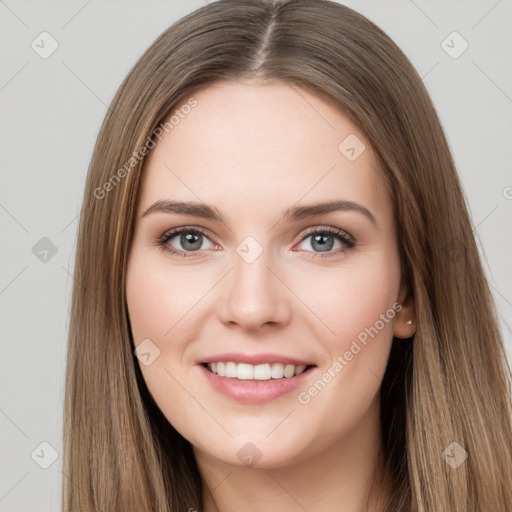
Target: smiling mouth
point(266, 371)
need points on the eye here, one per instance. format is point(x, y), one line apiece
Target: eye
point(185, 241)
point(181, 241)
point(323, 240)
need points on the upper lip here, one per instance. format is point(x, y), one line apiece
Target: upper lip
point(254, 359)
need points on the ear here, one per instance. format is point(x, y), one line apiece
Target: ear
point(404, 323)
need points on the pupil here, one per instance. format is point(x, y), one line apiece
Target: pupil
point(323, 245)
point(189, 241)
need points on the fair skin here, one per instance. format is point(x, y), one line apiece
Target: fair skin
point(252, 150)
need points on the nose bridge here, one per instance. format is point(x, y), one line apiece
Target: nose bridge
point(254, 296)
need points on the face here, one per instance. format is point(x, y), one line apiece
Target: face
point(231, 264)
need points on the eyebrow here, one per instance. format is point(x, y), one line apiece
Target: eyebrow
point(289, 215)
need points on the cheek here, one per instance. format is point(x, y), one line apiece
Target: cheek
point(161, 296)
point(160, 306)
point(359, 306)
point(354, 317)
point(146, 307)
point(351, 298)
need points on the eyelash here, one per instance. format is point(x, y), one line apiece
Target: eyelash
point(342, 236)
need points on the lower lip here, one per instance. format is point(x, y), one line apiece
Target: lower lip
point(255, 391)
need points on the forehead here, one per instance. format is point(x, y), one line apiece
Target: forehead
point(254, 148)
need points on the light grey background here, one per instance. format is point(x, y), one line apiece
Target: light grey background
point(51, 110)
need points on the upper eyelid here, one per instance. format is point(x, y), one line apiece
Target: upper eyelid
point(184, 229)
point(328, 229)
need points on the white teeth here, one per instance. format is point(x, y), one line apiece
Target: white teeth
point(243, 371)
point(266, 371)
point(299, 369)
point(289, 370)
point(230, 370)
point(277, 371)
point(262, 372)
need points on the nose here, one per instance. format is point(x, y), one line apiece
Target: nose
point(255, 295)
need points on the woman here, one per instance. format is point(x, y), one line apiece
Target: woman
point(278, 299)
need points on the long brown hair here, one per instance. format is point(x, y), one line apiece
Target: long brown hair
point(449, 383)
